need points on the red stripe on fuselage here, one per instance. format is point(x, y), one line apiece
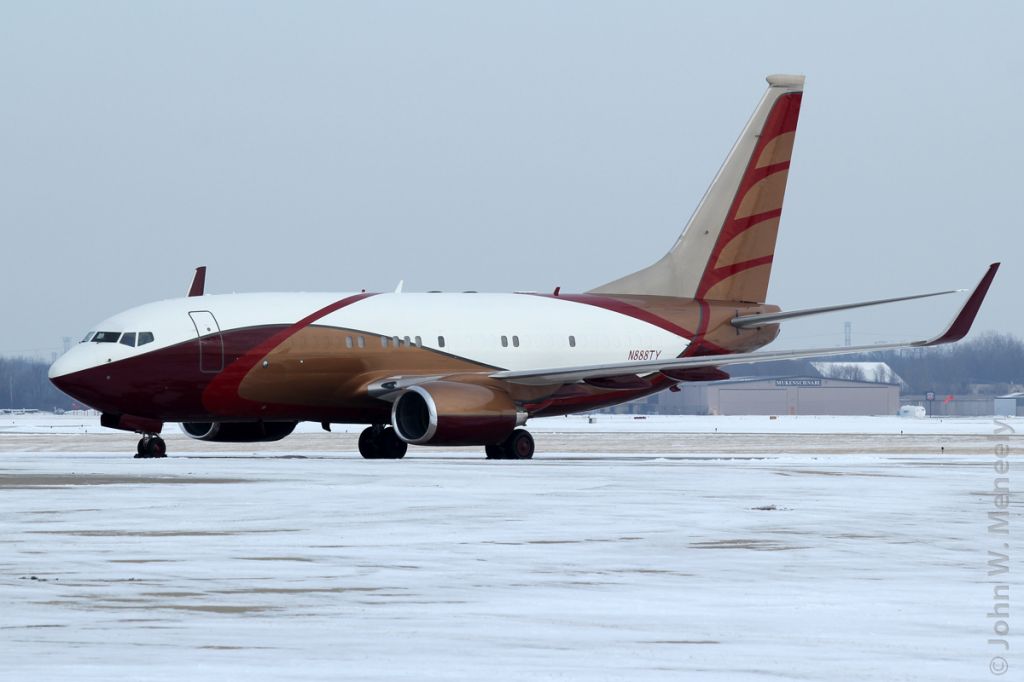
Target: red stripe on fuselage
point(623, 308)
point(221, 396)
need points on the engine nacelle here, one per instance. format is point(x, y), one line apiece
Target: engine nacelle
point(452, 413)
point(238, 432)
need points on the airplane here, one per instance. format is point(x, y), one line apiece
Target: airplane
point(469, 368)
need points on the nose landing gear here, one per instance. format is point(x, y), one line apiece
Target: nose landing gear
point(151, 446)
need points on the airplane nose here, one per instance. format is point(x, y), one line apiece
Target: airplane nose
point(62, 383)
point(67, 372)
point(71, 374)
point(56, 369)
point(62, 366)
point(60, 370)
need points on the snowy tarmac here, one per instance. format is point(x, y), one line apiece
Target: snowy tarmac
point(639, 552)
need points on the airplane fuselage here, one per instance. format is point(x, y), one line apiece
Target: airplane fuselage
point(312, 356)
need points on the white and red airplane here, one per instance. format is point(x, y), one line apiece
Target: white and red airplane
point(467, 368)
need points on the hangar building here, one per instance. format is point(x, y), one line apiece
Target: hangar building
point(1011, 405)
point(807, 395)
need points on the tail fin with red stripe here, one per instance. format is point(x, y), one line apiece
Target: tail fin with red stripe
point(725, 252)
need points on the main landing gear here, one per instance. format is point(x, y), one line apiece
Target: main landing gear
point(380, 442)
point(151, 446)
point(519, 445)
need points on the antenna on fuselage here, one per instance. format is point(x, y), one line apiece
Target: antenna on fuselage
point(198, 285)
point(398, 289)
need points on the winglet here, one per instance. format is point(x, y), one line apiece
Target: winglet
point(961, 324)
point(198, 285)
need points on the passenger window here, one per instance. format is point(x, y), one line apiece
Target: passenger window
point(128, 339)
point(348, 342)
point(361, 342)
point(144, 338)
point(504, 341)
point(572, 341)
point(440, 342)
point(106, 337)
point(515, 341)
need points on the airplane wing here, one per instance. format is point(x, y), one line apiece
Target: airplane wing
point(956, 330)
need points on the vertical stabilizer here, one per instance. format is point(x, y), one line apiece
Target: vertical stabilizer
point(726, 250)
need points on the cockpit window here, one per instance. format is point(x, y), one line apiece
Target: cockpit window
point(145, 337)
point(128, 339)
point(106, 337)
point(88, 337)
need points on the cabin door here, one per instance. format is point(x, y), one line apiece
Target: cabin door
point(211, 345)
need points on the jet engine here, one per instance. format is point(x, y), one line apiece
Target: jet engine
point(238, 432)
point(453, 413)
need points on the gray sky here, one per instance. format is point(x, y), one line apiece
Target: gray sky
point(338, 146)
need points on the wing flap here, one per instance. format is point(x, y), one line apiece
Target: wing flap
point(622, 381)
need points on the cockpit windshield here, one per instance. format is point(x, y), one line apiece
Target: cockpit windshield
point(131, 339)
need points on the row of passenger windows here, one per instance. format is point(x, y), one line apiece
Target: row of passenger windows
point(417, 341)
point(132, 339)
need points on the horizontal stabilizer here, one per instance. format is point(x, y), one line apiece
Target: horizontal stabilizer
point(750, 321)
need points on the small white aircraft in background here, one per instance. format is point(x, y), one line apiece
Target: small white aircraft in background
point(468, 368)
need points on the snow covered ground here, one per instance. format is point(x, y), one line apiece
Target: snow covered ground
point(670, 554)
point(45, 423)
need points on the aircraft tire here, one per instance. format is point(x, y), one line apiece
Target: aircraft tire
point(376, 442)
point(390, 446)
point(368, 443)
point(151, 447)
point(519, 445)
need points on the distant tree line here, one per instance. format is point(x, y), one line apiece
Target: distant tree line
point(23, 384)
point(994, 359)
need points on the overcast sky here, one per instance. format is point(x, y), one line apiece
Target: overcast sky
point(339, 146)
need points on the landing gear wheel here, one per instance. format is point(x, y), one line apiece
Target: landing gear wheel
point(390, 445)
point(151, 447)
point(519, 445)
point(378, 442)
point(368, 443)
